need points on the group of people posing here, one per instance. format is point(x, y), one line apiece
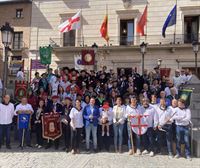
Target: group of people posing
point(100, 107)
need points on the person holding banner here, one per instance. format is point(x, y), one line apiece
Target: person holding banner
point(183, 120)
point(6, 116)
point(24, 112)
point(152, 120)
point(164, 131)
point(118, 124)
point(76, 115)
point(54, 107)
point(133, 110)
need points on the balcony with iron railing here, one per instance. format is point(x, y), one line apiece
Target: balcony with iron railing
point(126, 40)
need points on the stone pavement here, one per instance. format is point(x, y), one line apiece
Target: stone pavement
point(41, 158)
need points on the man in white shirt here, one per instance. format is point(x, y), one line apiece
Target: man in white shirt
point(24, 108)
point(152, 120)
point(6, 116)
point(182, 119)
point(164, 131)
point(177, 79)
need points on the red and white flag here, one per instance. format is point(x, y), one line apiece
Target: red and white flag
point(71, 24)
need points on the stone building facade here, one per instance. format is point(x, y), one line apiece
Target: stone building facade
point(123, 50)
point(18, 14)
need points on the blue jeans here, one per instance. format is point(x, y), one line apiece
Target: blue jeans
point(5, 130)
point(137, 137)
point(165, 136)
point(148, 140)
point(118, 132)
point(27, 136)
point(88, 129)
point(182, 131)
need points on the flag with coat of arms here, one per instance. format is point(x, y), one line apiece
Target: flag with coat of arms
point(78, 62)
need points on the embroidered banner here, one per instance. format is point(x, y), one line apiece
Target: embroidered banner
point(51, 126)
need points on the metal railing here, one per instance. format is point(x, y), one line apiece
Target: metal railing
point(126, 40)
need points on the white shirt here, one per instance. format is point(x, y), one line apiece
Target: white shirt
point(182, 116)
point(54, 87)
point(6, 113)
point(168, 92)
point(65, 84)
point(108, 114)
point(20, 75)
point(133, 111)
point(177, 81)
point(119, 114)
point(76, 117)
point(22, 107)
point(164, 115)
point(152, 116)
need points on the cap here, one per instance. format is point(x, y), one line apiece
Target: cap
point(106, 105)
point(55, 97)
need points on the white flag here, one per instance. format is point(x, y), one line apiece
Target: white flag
point(71, 24)
point(78, 62)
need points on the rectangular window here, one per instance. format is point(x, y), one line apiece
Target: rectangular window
point(18, 40)
point(69, 38)
point(126, 32)
point(19, 13)
point(191, 29)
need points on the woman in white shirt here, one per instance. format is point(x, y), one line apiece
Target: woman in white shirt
point(118, 124)
point(76, 115)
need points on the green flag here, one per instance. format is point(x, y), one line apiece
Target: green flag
point(185, 94)
point(45, 55)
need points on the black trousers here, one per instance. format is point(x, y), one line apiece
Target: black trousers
point(5, 130)
point(38, 130)
point(67, 135)
point(76, 138)
point(104, 141)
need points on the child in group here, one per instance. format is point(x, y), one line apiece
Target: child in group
point(104, 119)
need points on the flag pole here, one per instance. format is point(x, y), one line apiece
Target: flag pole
point(107, 22)
point(175, 24)
point(82, 37)
point(146, 22)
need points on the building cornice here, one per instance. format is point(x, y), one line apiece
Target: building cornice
point(121, 48)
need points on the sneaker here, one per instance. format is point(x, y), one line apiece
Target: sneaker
point(151, 154)
point(39, 146)
point(73, 152)
point(108, 134)
point(145, 152)
point(189, 158)
point(170, 156)
point(177, 156)
point(103, 133)
point(36, 145)
point(130, 152)
point(138, 152)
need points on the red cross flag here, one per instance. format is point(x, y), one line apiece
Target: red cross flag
point(71, 24)
point(139, 124)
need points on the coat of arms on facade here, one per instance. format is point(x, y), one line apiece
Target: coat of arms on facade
point(127, 3)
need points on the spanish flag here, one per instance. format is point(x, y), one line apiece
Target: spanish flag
point(142, 22)
point(104, 29)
